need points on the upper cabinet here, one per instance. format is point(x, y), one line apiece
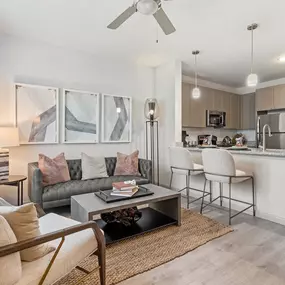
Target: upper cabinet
point(247, 114)
point(233, 116)
point(270, 98)
point(264, 99)
point(279, 97)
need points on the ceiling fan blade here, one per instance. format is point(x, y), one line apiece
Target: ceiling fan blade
point(164, 22)
point(122, 18)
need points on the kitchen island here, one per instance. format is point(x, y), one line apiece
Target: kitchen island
point(268, 169)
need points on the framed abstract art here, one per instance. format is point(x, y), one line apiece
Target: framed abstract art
point(80, 116)
point(116, 119)
point(37, 114)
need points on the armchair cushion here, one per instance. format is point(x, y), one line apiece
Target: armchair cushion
point(10, 266)
point(76, 248)
point(25, 224)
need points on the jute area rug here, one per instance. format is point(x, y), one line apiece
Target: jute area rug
point(137, 255)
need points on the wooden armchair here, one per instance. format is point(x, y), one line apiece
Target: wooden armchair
point(73, 241)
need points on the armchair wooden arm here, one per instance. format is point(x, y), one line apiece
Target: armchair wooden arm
point(100, 252)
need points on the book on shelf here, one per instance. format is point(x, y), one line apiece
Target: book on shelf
point(122, 186)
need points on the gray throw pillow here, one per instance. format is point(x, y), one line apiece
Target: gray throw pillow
point(93, 167)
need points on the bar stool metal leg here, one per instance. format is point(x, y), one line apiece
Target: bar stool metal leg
point(230, 203)
point(204, 190)
point(188, 189)
point(211, 191)
point(221, 194)
point(253, 196)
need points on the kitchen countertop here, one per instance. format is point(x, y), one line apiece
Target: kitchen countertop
point(251, 151)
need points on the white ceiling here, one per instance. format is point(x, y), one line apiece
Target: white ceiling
point(216, 27)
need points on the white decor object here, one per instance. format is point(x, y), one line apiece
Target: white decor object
point(147, 7)
point(37, 114)
point(196, 93)
point(252, 79)
point(93, 167)
point(116, 126)
point(80, 116)
point(9, 137)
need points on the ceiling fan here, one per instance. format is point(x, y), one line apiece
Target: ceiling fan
point(146, 7)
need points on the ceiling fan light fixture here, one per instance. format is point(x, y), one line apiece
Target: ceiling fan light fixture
point(147, 7)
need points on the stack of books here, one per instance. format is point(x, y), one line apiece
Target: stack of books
point(124, 189)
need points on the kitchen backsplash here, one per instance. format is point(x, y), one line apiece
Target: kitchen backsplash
point(250, 135)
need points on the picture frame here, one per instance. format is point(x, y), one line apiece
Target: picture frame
point(116, 112)
point(37, 113)
point(80, 117)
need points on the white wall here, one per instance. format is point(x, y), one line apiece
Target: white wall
point(168, 80)
point(41, 64)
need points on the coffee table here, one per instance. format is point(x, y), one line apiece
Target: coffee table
point(162, 209)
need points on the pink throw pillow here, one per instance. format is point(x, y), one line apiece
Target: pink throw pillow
point(53, 170)
point(127, 164)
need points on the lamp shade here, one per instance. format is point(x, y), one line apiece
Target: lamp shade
point(151, 110)
point(9, 137)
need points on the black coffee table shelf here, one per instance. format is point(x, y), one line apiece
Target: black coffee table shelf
point(150, 220)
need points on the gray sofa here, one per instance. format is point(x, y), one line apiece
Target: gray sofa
point(59, 194)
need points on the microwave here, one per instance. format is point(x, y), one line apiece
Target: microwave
point(215, 119)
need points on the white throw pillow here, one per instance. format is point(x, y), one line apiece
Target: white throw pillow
point(93, 167)
point(10, 265)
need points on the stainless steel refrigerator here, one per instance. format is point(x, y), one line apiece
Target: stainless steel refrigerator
point(276, 121)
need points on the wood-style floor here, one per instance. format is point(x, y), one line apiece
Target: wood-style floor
point(254, 254)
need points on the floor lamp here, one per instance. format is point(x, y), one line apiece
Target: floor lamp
point(151, 112)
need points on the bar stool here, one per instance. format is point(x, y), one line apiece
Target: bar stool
point(181, 162)
point(219, 166)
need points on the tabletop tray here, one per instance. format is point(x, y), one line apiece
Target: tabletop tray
point(106, 197)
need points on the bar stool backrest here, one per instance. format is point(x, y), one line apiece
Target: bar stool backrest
point(181, 158)
point(220, 163)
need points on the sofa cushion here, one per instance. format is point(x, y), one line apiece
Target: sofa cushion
point(127, 164)
point(93, 167)
point(25, 224)
point(10, 266)
point(53, 170)
point(75, 187)
point(75, 248)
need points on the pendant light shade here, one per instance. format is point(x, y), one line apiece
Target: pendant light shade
point(196, 93)
point(252, 79)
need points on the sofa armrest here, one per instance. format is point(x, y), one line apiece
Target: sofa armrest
point(21, 245)
point(145, 168)
point(35, 183)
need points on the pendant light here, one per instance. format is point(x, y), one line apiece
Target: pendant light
point(196, 93)
point(252, 79)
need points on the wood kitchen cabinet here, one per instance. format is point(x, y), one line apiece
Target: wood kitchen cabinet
point(264, 99)
point(279, 97)
point(233, 116)
point(247, 112)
